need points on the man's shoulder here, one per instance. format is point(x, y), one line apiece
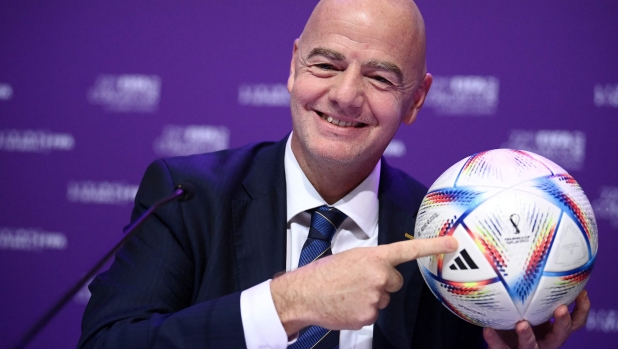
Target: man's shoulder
point(223, 162)
point(221, 172)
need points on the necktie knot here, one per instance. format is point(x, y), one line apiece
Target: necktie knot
point(325, 221)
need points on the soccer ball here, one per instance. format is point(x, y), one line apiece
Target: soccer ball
point(527, 238)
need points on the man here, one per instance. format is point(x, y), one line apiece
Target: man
point(201, 273)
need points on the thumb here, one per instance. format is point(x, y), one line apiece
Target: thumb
point(405, 251)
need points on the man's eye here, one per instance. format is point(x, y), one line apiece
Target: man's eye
point(381, 79)
point(325, 66)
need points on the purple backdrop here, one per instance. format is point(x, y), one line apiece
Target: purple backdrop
point(91, 92)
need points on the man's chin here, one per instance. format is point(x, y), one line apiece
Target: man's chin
point(344, 154)
point(333, 150)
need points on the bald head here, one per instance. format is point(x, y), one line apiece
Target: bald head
point(399, 21)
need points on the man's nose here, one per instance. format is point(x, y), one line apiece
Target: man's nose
point(347, 91)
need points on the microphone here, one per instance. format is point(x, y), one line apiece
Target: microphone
point(188, 191)
point(184, 192)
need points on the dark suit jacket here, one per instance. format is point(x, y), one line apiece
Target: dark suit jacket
point(177, 282)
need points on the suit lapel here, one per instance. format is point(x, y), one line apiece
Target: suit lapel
point(398, 207)
point(259, 218)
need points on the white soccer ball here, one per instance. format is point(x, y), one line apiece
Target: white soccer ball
point(527, 238)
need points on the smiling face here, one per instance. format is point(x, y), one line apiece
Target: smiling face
point(357, 73)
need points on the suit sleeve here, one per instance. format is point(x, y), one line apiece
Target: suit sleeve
point(147, 299)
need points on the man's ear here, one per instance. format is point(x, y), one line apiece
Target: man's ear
point(293, 67)
point(419, 98)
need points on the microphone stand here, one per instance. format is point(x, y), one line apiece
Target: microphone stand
point(183, 192)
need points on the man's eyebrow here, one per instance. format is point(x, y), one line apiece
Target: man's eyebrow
point(321, 51)
point(387, 66)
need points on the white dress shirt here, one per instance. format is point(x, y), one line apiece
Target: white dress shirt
point(261, 324)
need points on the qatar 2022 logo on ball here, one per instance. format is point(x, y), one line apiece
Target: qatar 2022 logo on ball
point(527, 238)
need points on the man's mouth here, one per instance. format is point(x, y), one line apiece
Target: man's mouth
point(340, 123)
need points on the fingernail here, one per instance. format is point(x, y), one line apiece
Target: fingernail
point(451, 244)
point(522, 328)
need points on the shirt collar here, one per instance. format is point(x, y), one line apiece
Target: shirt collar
point(361, 204)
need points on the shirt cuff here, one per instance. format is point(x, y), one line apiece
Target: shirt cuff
point(260, 321)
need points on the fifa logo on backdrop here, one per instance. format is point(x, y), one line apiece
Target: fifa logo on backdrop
point(606, 206)
point(6, 92)
point(464, 95)
point(606, 95)
point(264, 95)
point(601, 320)
point(109, 193)
point(126, 93)
point(565, 148)
point(31, 239)
point(35, 141)
point(193, 139)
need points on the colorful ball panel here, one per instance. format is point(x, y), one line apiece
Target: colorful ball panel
point(527, 238)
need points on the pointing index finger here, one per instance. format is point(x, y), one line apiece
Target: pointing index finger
point(405, 251)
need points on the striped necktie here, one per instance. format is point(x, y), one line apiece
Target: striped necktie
point(324, 223)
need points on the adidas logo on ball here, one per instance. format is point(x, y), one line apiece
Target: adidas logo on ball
point(463, 262)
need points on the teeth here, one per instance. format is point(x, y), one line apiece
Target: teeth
point(340, 123)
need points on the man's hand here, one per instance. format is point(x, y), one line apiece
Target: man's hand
point(547, 335)
point(346, 290)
